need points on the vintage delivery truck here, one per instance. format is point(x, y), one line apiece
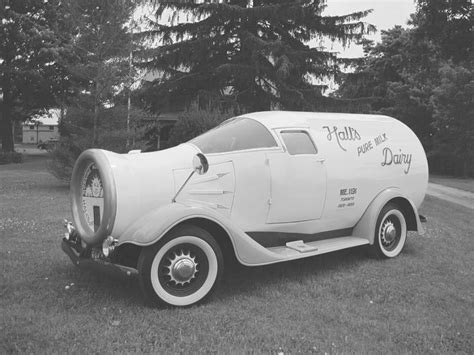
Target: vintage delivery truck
point(264, 188)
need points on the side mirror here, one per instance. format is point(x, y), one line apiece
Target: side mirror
point(200, 164)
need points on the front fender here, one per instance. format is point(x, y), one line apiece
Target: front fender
point(365, 228)
point(153, 226)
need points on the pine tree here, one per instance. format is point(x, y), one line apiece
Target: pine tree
point(103, 45)
point(255, 55)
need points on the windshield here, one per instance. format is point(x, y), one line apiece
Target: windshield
point(235, 134)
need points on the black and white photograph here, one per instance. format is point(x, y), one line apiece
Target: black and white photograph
point(237, 176)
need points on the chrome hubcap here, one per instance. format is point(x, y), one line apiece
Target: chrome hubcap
point(182, 268)
point(389, 232)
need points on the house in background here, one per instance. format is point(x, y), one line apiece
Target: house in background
point(42, 128)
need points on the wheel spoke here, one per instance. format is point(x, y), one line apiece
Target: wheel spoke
point(389, 233)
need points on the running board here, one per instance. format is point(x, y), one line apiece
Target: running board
point(298, 249)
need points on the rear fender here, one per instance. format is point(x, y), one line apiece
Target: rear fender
point(152, 227)
point(365, 228)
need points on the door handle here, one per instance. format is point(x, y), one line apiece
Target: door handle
point(321, 160)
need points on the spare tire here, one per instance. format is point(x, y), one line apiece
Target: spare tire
point(93, 196)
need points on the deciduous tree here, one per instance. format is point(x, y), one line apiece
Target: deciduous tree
point(453, 112)
point(423, 76)
point(32, 75)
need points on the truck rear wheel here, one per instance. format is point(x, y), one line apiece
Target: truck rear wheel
point(390, 232)
point(181, 269)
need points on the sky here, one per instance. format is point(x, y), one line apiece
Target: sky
point(385, 15)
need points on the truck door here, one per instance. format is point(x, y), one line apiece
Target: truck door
point(298, 179)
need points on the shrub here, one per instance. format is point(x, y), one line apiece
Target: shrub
point(10, 157)
point(76, 136)
point(63, 157)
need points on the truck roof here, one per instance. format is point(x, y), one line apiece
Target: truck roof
point(279, 119)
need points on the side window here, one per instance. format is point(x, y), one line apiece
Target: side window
point(298, 142)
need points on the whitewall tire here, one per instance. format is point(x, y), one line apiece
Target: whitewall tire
point(390, 232)
point(181, 269)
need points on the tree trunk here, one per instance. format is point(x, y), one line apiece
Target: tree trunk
point(129, 105)
point(465, 168)
point(6, 132)
point(62, 112)
point(95, 132)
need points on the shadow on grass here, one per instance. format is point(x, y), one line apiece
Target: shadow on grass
point(99, 288)
point(410, 250)
point(239, 279)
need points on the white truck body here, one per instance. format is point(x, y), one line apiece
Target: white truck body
point(295, 184)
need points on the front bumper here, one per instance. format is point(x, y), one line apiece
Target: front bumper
point(79, 259)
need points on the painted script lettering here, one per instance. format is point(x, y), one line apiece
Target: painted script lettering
point(390, 158)
point(340, 135)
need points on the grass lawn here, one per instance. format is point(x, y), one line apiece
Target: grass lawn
point(420, 302)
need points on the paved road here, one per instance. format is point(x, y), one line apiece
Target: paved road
point(460, 197)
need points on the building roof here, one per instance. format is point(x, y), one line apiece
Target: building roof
point(50, 118)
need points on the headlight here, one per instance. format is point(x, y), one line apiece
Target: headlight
point(108, 245)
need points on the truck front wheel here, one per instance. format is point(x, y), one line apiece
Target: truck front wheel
point(390, 232)
point(181, 269)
